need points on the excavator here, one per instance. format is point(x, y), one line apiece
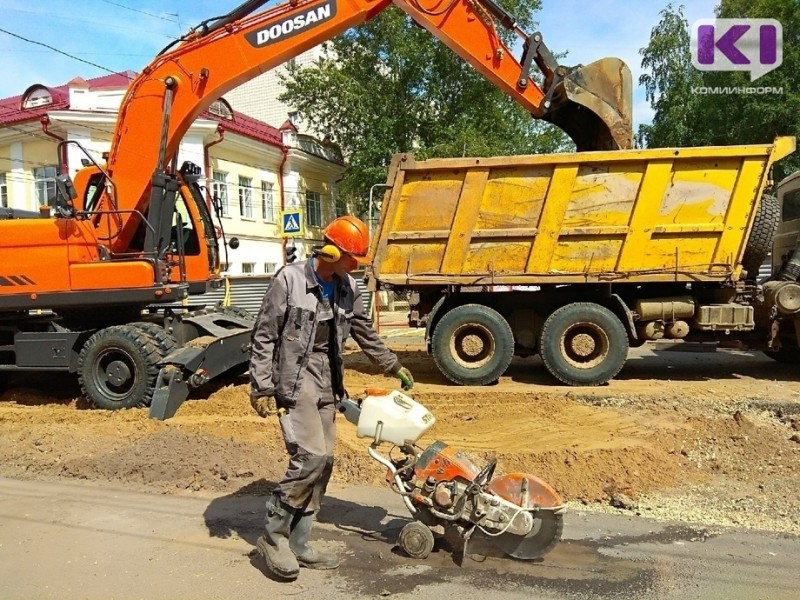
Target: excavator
point(103, 286)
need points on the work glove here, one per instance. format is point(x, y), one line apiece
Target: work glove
point(405, 377)
point(263, 405)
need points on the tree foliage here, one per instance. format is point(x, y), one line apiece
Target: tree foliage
point(389, 86)
point(686, 118)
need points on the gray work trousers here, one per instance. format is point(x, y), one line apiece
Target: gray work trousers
point(309, 432)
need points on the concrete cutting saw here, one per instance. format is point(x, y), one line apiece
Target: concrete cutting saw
point(444, 490)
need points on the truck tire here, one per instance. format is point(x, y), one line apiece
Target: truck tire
point(118, 366)
point(759, 244)
point(583, 343)
point(787, 355)
point(472, 344)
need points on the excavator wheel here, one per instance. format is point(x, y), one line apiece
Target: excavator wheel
point(165, 340)
point(241, 313)
point(118, 367)
point(234, 311)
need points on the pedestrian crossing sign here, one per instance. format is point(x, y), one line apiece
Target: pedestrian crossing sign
point(292, 223)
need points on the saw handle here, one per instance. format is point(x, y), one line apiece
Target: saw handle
point(485, 475)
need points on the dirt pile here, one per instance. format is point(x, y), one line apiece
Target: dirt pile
point(699, 450)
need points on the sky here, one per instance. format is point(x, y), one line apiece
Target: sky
point(115, 35)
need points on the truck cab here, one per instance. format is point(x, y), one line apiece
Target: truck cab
point(787, 235)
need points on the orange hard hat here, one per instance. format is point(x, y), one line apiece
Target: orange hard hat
point(350, 235)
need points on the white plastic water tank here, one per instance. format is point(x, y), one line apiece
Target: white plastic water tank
point(393, 417)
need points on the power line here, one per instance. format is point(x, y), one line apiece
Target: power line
point(24, 39)
point(104, 24)
point(144, 12)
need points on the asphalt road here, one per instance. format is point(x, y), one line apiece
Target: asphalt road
point(73, 540)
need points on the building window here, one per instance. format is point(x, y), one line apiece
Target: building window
point(3, 191)
point(37, 96)
point(313, 209)
point(45, 179)
point(270, 268)
point(339, 207)
point(221, 108)
point(246, 197)
point(267, 202)
point(221, 192)
point(248, 268)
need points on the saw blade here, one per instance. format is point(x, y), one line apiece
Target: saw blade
point(545, 534)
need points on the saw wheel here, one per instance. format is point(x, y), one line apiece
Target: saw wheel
point(416, 539)
point(545, 534)
point(529, 492)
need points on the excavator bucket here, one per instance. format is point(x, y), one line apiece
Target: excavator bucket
point(592, 104)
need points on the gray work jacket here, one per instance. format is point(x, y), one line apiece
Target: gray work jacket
point(286, 327)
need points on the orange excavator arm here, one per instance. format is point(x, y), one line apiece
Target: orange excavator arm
point(590, 103)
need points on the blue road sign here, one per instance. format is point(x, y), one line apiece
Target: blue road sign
point(292, 222)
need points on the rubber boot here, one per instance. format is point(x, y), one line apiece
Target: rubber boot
point(307, 556)
point(274, 544)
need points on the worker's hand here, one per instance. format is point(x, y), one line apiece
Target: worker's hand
point(404, 375)
point(263, 405)
point(284, 404)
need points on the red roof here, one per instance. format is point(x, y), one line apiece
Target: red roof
point(11, 111)
point(248, 127)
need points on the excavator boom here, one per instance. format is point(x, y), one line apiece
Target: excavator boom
point(591, 104)
point(129, 242)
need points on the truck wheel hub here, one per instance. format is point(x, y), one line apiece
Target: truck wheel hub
point(472, 346)
point(583, 345)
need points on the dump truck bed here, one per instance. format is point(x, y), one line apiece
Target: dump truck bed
point(677, 214)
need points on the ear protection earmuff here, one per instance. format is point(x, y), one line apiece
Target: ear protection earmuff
point(329, 253)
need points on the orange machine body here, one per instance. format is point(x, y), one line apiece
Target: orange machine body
point(115, 204)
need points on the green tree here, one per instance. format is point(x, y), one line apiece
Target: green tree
point(389, 86)
point(685, 118)
point(669, 83)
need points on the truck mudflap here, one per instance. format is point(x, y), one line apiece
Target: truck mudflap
point(200, 361)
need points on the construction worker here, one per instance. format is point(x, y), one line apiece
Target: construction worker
point(296, 372)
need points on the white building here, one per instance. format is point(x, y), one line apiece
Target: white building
point(258, 97)
point(255, 169)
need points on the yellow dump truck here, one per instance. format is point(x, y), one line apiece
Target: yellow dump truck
point(577, 257)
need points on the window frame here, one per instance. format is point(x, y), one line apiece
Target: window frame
point(268, 199)
point(246, 198)
point(45, 185)
point(3, 190)
point(313, 209)
point(220, 191)
point(792, 196)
